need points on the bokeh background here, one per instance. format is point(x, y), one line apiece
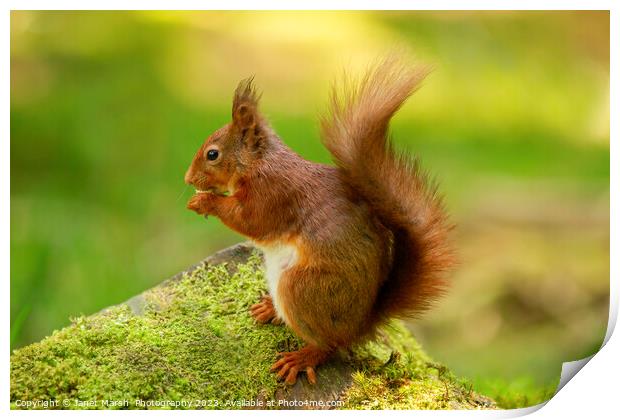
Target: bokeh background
point(108, 108)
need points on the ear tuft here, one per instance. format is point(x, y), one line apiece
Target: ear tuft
point(245, 105)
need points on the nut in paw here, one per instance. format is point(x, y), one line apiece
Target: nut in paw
point(200, 203)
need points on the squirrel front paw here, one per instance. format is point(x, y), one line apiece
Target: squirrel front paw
point(201, 203)
point(264, 312)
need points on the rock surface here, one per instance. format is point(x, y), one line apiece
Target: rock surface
point(190, 343)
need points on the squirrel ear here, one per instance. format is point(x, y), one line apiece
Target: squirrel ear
point(245, 106)
point(243, 117)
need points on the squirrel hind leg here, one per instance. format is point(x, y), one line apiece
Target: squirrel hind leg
point(264, 311)
point(306, 359)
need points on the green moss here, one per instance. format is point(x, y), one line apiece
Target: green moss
point(194, 340)
point(395, 373)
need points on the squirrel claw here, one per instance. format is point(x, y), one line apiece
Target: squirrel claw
point(290, 364)
point(264, 312)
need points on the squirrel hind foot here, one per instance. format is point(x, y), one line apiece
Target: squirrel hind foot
point(291, 363)
point(264, 312)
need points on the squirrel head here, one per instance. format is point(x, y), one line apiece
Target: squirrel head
point(228, 153)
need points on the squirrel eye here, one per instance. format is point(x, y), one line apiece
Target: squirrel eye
point(212, 154)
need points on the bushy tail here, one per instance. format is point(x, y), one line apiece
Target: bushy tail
point(355, 130)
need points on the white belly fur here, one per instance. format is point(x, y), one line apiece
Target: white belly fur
point(278, 258)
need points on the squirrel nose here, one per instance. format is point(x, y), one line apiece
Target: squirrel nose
point(189, 177)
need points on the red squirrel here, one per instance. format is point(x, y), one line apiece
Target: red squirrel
point(346, 247)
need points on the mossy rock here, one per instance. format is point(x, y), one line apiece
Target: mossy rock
point(191, 343)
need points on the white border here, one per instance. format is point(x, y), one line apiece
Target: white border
point(593, 393)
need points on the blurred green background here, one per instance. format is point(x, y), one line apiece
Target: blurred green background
point(108, 108)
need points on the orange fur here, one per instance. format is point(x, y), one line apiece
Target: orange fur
point(400, 193)
point(354, 244)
